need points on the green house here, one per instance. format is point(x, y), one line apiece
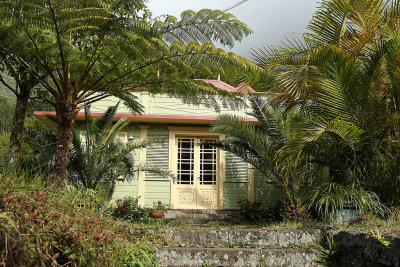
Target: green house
point(205, 177)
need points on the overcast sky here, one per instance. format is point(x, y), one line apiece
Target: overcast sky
point(271, 20)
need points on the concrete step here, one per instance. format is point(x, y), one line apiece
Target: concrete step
point(236, 257)
point(199, 215)
point(244, 237)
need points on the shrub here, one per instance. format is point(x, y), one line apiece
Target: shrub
point(50, 226)
point(128, 209)
point(250, 211)
point(329, 198)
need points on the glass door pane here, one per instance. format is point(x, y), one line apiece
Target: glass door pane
point(208, 164)
point(185, 161)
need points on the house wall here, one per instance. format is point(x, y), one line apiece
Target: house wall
point(165, 105)
point(129, 188)
point(236, 183)
point(156, 187)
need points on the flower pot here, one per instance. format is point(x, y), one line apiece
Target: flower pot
point(157, 214)
point(342, 216)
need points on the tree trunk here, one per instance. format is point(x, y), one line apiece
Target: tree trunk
point(66, 117)
point(17, 128)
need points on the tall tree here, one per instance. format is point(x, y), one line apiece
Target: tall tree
point(25, 82)
point(89, 53)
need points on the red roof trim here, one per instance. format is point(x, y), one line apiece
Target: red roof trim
point(144, 116)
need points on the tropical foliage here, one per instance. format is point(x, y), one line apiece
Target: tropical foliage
point(98, 158)
point(332, 125)
point(342, 77)
point(84, 51)
point(259, 144)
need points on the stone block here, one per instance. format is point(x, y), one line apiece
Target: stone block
point(288, 257)
point(169, 257)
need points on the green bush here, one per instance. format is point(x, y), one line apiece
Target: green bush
point(251, 212)
point(128, 209)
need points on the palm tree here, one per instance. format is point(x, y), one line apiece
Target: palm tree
point(99, 159)
point(343, 77)
point(85, 52)
point(259, 145)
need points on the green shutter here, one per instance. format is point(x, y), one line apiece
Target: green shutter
point(158, 154)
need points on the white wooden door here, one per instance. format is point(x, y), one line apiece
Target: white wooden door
point(197, 174)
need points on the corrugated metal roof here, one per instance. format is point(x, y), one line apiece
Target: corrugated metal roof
point(241, 88)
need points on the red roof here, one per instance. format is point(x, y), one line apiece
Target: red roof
point(224, 86)
point(242, 88)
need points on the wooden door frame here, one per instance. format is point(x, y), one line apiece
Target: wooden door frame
point(194, 132)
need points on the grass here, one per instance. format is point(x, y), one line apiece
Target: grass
point(365, 224)
point(41, 225)
point(369, 222)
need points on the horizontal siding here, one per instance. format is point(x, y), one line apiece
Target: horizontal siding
point(126, 189)
point(102, 105)
point(135, 133)
point(233, 192)
point(269, 194)
point(129, 188)
point(236, 168)
point(157, 191)
point(166, 105)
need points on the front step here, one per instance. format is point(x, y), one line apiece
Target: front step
point(235, 257)
point(248, 237)
point(199, 215)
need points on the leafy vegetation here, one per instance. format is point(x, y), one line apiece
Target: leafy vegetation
point(260, 145)
point(98, 158)
point(43, 226)
point(128, 209)
point(250, 211)
point(332, 125)
point(331, 198)
point(342, 78)
point(329, 253)
point(379, 237)
point(85, 51)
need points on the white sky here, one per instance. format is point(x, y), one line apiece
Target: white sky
point(271, 20)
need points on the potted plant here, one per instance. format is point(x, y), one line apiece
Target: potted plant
point(339, 204)
point(158, 210)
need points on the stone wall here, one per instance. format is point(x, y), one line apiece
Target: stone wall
point(356, 249)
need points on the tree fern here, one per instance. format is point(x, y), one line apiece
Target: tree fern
point(89, 52)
